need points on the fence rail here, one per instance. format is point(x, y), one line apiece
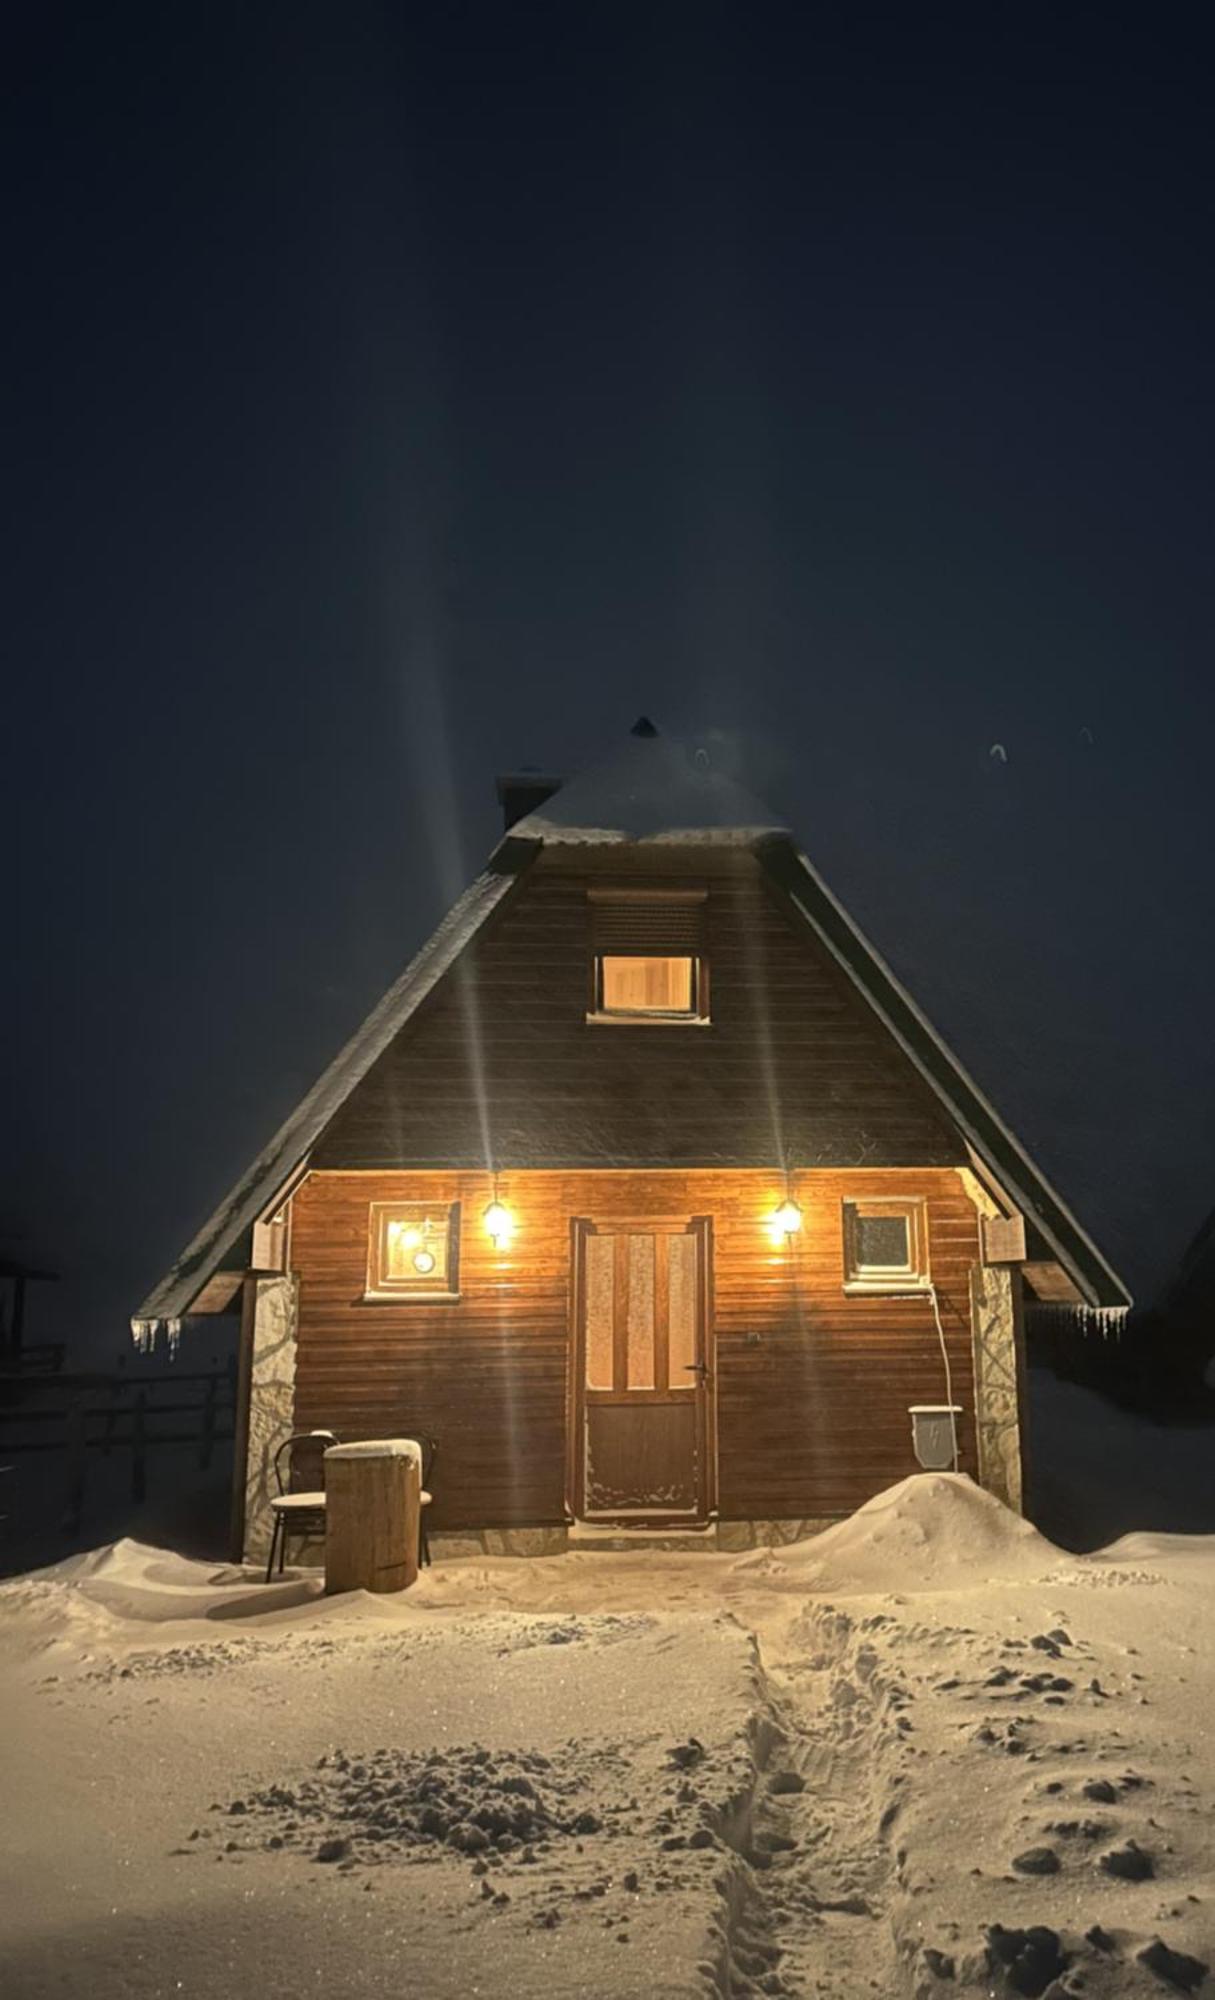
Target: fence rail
point(75, 1414)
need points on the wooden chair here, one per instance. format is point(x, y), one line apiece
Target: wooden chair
point(429, 1449)
point(299, 1506)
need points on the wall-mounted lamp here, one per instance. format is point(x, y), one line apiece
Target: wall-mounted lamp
point(499, 1223)
point(787, 1219)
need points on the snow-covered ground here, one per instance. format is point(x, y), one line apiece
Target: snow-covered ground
point(924, 1753)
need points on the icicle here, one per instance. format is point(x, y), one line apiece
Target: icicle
point(144, 1332)
point(1108, 1321)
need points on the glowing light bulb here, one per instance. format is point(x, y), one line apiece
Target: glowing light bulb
point(499, 1224)
point(787, 1219)
point(412, 1237)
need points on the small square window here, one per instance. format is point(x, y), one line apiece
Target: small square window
point(412, 1250)
point(642, 985)
point(885, 1245)
point(648, 956)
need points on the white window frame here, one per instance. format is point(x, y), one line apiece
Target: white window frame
point(876, 1279)
point(696, 1015)
point(410, 1291)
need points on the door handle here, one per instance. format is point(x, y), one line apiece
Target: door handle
point(696, 1367)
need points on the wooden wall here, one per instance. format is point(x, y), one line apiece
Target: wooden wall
point(812, 1417)
point(500, 1062)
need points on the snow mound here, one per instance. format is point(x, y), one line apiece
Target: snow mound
point(934, 1531)
point(1155, 1545)
point(126, 1559)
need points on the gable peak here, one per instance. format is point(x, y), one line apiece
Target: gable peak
point(655, 789)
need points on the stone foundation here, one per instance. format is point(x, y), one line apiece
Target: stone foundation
point(735, 1536)
point(466, 1544)
point(995, 1318)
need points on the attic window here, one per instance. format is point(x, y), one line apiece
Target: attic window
point(885, 1245)
point(412, 1250)
point(648, 960)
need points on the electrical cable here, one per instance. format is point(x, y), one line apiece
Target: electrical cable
point(931, 1290)
point(953, 1420)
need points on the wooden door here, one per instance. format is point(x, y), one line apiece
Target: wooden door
point(642, 1429)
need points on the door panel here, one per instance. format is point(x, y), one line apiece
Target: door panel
point(639, 1312)
point(642, 1390)
point(682, 1306)
point(643, 1457)
point(598, 1311)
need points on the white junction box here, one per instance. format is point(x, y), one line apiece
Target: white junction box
point(934, 1434)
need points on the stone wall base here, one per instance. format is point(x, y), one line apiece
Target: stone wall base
point(269, 1334)
point(735, 1536)
point(466, 1544)
point(999, 1360)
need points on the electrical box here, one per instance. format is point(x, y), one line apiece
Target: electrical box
point(934, 1435)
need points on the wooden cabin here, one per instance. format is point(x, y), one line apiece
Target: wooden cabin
point(647, 1191)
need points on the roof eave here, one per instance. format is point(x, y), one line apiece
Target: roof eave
point(172, 1298)
point(794, 874)
point(975, 1117)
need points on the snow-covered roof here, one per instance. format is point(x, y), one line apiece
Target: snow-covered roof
point(655, 791)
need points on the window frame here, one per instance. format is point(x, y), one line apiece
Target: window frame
point(861, 1280)
point(697, 1016)
point(382, 1290)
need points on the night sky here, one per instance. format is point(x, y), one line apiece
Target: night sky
point(397, 396)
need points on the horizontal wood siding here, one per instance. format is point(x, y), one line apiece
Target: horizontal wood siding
point(501, 1061)
point(812, 1416)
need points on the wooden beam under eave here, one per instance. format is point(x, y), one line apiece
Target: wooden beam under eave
point(1003, 1239)
point(1051, 1284)
point(269, 1245)
point(220, 1294)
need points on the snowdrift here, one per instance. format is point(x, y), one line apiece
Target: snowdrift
point(934, 1531)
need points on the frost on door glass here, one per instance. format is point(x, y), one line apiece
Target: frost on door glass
point(641, 1312)
point(600, 1254)
point(681, 1303)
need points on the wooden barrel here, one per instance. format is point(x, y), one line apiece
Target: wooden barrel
point(371, 1514)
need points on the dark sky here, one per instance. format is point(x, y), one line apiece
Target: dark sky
point(397, 395)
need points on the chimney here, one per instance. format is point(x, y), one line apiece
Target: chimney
point(522, 792)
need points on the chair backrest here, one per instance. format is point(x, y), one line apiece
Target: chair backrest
point(430, 1449)
point(299, 1462)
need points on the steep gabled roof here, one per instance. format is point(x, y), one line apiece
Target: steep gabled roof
point(653, 792)
point(977, 1119)
point(173, 1296)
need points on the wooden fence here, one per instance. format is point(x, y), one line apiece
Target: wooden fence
point(81, 1414)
